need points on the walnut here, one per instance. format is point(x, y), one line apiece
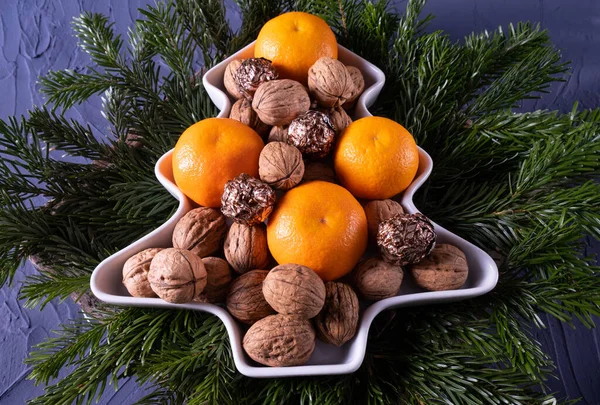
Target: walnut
point(445, 268)
point(247, 200)
point(337, 322)
point(378, 211)
point(177, 275)
point(242, 111)
point(359, 85)
point(294, 289)
point(245, 300)
point(330, 82)
point(246, 247)
point(229, 80)
point(201, 298)
point(218, 277)
point(278, 102)
point(375, 279)
point(339, 118)
point(314, 170)
point(135, 273)
point(278, 134)
point(201, 231)
point(280, 340)
point(280, 165)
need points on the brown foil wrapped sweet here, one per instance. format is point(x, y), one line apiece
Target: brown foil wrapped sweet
point(406, 238)
point(247, 200)
point(252, 73)
point(312, 133)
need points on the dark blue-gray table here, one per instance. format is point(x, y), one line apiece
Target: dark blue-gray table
point(35, 36)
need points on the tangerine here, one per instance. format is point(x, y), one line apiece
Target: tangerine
point(211, 152)
point(319, 225)
point(375, 158)
point(293, 42)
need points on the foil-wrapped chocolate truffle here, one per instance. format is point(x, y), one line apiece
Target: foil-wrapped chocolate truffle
point(312, 133)
point(252, 73)
point(247, 200)
point(405, 238)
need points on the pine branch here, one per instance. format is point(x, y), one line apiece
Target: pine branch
point(207, 27)
point(132, 335)
point(74, 341)
point(161, 396)
point(165, 35)
point(518, 184)
point(256, 13)
point(96, 37)
point(43, 288)
point(66, 88)
point(66, 135)
point(431, 79)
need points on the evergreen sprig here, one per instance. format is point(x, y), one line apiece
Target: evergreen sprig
point(522, 186)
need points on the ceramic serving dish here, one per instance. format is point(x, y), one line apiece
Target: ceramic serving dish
point(327, 359)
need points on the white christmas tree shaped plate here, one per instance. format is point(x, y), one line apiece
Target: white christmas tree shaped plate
point(106, 281)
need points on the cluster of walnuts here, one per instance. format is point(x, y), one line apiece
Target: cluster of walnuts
point(288, 307)
point(301, 123)
point(307, 118)
point(406, 241)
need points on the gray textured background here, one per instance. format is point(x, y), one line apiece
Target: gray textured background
point(35, 37)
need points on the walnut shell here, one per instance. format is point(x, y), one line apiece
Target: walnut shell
point(278, 102)
point(229, 78)
point(330, 82)
point(315, 170)
point(246, 247)
point(375, 279)
point(245, 300)
point(339, 118)
point(359, 85)
point(445, 268)
point(218, 277)
point(177, 275)
point(201, 231)
point(280, 340)
point(135, 273)
point(201, 298)
point(280, 165)
point(278, 134)
point(378, 211)
point(242, 111)
point(338, 320)
point(294, 289)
